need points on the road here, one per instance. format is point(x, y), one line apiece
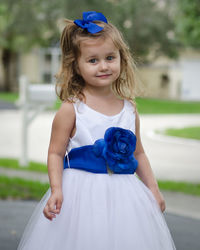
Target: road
point(14, 216)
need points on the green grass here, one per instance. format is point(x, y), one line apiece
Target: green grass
point(13, 97)
point(9, 96)
point(17, 188)
point(57, 104)
point(14, 163)
point(183, 187)
point(188, 132)
point(157, 106)
point(144, 105)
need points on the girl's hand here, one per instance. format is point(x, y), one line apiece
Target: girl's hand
point(159, 198)
point(53, 205)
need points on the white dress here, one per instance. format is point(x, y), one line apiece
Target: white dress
point(99, 211)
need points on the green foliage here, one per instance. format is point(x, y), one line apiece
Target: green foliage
point(147, 26)
point(24, 24)
point(188, 22)
point(17, 188)
point(74, 9)
point(14, 163)
point(188, 132)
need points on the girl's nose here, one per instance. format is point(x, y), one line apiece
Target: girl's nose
point(103, 65)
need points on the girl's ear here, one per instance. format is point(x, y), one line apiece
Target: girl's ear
point(77, 68)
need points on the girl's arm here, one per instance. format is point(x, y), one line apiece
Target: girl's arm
point(62, 127)
point(144, 170)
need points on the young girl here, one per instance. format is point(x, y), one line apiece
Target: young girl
point(97, 202)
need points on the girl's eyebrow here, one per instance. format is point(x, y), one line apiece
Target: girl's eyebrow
point(95, 55)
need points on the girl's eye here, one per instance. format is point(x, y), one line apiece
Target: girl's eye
point(92, 60)
point(109, 58)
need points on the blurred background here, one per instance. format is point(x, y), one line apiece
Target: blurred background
point(164, 38)
point(162, 34)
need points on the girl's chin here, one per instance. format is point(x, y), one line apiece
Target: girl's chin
point(99, 85)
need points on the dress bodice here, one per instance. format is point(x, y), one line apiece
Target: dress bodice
point(91, 124)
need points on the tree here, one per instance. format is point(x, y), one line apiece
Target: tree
point(188, 22)
point(148, 27)
point(24, 24)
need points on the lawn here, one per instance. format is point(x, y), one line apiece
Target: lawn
point(17, 188)
point(9, 97)
point(158, 106)
point(14, 163)
point(144, 105)
point(13, 97)
point(183, 187)
point(187, 132)
point(12, 187)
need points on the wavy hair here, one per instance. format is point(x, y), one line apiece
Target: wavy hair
point(70, 84)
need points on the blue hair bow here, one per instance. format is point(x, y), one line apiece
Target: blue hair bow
point(87, 21)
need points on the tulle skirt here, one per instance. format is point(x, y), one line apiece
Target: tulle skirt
point(99, 212)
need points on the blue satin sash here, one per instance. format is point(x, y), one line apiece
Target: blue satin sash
point(113, 154)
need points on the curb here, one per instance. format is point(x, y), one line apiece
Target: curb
point(182, 204)
point(171, 139)
point(27, 175)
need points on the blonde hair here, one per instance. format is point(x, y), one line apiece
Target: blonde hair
point(70, 84)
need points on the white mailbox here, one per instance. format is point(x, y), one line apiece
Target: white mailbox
point(41, 93)
point(33, 99)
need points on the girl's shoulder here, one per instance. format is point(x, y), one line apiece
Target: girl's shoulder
point(65, 112)
point(66, 106)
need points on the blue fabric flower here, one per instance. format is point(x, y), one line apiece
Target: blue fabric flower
point(117, 149)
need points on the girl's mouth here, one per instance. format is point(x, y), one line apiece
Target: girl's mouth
point(104, 76)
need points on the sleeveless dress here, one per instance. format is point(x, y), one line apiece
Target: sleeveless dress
point(99, 211)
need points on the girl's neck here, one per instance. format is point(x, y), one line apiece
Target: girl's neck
point(98, 92)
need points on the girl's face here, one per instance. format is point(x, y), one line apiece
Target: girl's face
point(99, 62)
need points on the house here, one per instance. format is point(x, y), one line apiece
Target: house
point(180, 79)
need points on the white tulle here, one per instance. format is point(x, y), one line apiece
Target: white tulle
point(99, 212)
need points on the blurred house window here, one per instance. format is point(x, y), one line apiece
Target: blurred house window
point(164, 80)
point(47, 58)
point(49, 64)
point(47, 77)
